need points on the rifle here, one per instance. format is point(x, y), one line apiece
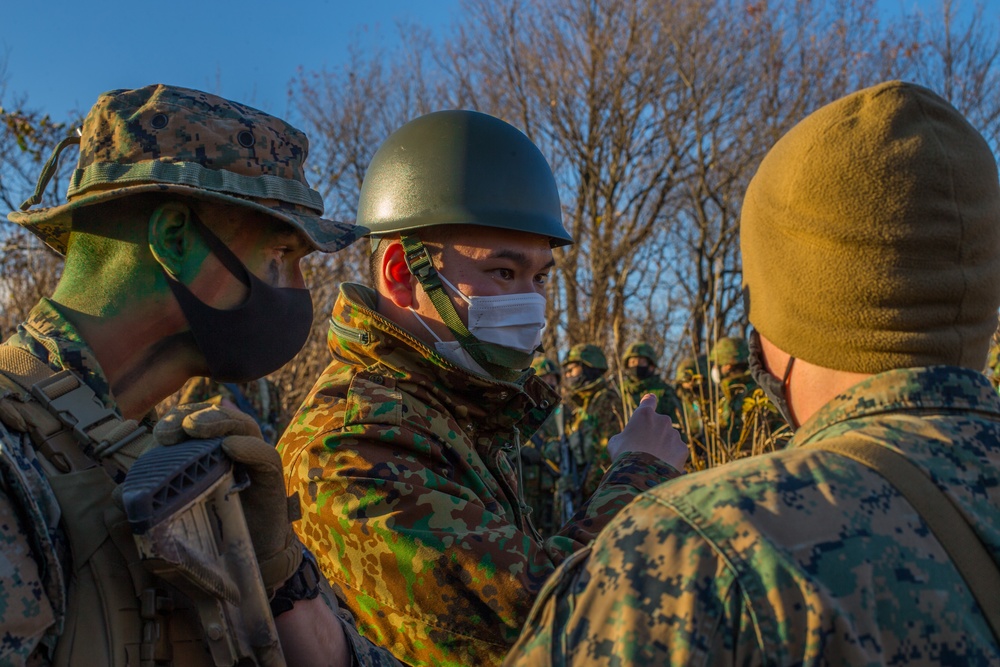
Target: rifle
point(183, 506)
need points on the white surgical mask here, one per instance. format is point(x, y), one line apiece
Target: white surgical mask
point(514, 320)
point(715, 375)
point(511, 320)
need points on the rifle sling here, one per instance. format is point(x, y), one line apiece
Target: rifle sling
point(939, 512)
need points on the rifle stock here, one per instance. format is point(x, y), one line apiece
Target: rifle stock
point(183, 505)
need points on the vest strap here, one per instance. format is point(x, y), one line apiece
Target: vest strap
point(100, 432)
point(939, 512)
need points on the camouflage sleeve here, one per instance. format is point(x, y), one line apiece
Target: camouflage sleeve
point(464, 575)
point(631, 474)
point(25, 611)
point(364, 652)
point(602, 421)
point(650, 591)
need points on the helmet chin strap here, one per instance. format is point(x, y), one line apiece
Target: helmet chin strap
point(501, 362)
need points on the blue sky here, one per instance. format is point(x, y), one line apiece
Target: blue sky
point(62, 54)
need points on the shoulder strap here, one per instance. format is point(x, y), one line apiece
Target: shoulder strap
point(948, 524)
point(99, 431)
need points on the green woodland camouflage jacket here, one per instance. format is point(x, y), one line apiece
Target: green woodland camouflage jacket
point(34, 550)
point(734, 391)
point(403, 464)
point(666, 397)
point(595, 415)
point(800, 557)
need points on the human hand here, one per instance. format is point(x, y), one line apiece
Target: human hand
point(311, 634)
point(650, 432)
point(268, 510)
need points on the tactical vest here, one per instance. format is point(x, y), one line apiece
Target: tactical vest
point(117, 613)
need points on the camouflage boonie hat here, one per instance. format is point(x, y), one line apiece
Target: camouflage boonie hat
point(168, 139)
point(545, 366)
point(729, 351)
point(588, 355)
point(641, 350)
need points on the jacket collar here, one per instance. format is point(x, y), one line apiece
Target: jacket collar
point(928, 388)
point(360, 336)
point(53, 339)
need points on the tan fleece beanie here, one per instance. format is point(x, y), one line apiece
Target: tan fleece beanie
point(871, 235)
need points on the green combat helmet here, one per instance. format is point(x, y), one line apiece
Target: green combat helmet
point(545, 366)
point(641, 350)
point(460, 167)
point(729, 352)
point(588, 355)
point(686, 370)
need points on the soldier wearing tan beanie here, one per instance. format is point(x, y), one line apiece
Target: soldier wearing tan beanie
point(871, 254)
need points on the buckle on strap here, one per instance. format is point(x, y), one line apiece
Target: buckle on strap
point(78, 409)
point(419, 262)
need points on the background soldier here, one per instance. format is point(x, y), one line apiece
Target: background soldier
point(993, 365)
point(692, 394)
point(870, 238)
point(539, 455)
point(641, 378)
point(746, 417)
point(170, 248)
point(594, 414)
point(730, 371)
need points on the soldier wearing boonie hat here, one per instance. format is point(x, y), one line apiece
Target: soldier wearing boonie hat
point(870, 238)
point(184, 224)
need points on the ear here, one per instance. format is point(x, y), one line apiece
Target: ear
point(172, 239)
point(394, 275)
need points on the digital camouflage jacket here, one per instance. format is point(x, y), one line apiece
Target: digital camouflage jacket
point(403, 464)
point(797, 557)
point(35, 556)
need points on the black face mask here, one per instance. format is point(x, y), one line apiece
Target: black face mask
point(257, 337)
point(586, 377)
point(639, 372)
point(773, 387)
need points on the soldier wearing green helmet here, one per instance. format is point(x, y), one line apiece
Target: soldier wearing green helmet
point(594, 414)
point(406, 452)
point(640, 378)
point(540, 455)
point(730, 371)
point(692, 376)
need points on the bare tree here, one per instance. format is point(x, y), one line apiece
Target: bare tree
point(28, 269)
point(956, 54)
